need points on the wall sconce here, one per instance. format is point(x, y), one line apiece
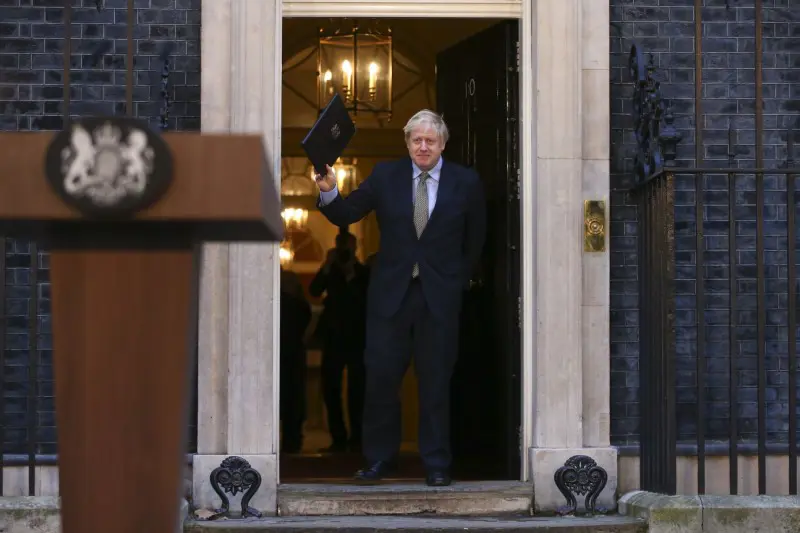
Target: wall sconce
point(286, 254)
point(294, 217)
point(346, 171)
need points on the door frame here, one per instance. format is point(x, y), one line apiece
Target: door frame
point(505, 9)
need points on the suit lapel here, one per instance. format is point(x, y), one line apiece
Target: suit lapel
point(447, 184)
point(405, 175)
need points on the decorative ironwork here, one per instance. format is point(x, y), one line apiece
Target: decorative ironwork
point(656, 137)
point(235, 475)
point(165, 96)
point(109, 167)
point(580, 475)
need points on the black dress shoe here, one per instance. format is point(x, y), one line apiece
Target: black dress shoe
point(438, 478)
point(376, 471)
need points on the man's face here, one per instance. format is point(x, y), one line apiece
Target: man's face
point(425, 147)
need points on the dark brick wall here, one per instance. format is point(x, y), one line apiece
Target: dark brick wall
point(666, 29)
point(30, 99)
point(31, 91)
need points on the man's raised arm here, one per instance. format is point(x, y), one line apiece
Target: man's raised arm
point(343, 211)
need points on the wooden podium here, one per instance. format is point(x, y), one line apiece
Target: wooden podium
point(123, 211)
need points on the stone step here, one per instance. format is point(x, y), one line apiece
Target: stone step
point(419, 524)
point(488, 498)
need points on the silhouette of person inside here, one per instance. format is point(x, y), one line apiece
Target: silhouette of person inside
point(295, 318)
point(342, 333)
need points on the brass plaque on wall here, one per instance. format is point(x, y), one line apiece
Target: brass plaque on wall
point(594, 226)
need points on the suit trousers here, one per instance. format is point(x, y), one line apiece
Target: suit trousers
point(433, 340)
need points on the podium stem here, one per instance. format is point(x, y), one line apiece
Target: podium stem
point(124, 326)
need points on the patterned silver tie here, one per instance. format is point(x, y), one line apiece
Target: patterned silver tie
point(420, 211)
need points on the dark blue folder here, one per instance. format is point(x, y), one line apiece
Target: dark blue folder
point(329, 136)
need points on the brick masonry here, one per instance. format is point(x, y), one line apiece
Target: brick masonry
point(31, 43)
point(665, 28)
point(31, 92)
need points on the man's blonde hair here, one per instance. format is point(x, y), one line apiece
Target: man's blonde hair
point(430, 119)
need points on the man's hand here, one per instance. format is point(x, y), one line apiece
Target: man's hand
point(328, 182)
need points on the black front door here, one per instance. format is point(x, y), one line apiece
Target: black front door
point(478, 94)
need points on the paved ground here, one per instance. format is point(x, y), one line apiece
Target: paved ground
point(393, 498)
point(367, 524)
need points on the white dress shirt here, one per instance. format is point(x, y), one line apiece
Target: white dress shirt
point(432, 185)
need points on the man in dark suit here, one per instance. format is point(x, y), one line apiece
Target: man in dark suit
point(432, 219)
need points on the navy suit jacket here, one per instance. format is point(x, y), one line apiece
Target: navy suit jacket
point(448, 250)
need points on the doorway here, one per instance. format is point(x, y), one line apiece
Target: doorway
point(468, 71)
point(478, 94)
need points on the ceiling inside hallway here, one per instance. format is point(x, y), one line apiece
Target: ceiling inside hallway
point(416, 43)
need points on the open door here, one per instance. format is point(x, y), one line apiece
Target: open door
point(478, 93)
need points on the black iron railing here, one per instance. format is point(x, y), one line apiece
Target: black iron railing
point(775, 380)
point(717, 251)
point(27, 432)
point(718, 289)
point(28, 436)
point(656, 203)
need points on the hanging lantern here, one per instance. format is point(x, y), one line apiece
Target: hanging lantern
point(358, 65)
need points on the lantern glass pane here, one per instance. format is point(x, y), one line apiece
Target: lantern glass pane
point(337, 68)
point(374, 72)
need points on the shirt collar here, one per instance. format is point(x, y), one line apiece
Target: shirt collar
point(433, 174)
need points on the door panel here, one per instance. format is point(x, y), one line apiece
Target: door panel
point(477, 92)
